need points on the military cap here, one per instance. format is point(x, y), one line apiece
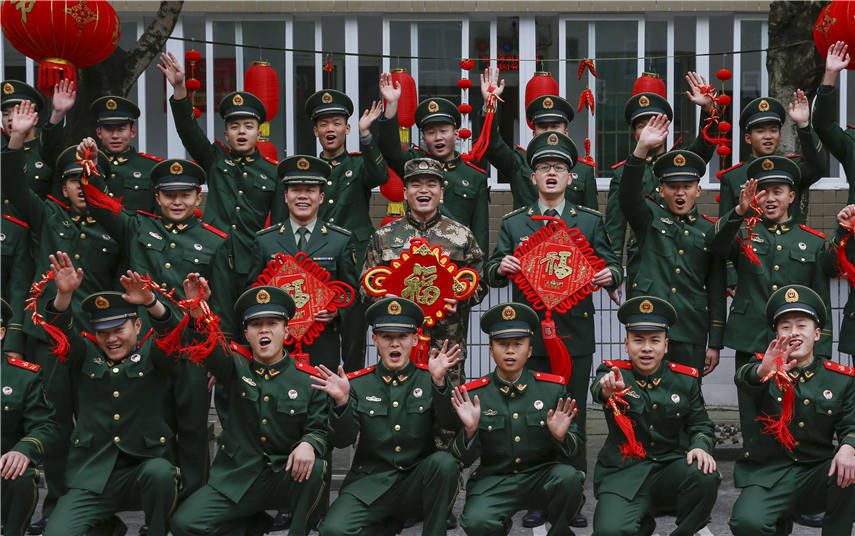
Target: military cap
point(680, 165)
point(549, 108)
point(508, 320)
point(644, 105)
point(241, 104)
point(762, 110)
point(265, 302)
point(6, 310)
point(647, 313)
point(113, 110)
point(437, 110)
point(395, 315)
point(422, 167)
point(551, 145)
point(177, 174)
point(795, 299)
point(108, 310)
point(16, 92)
point(69, 165)
point(774, 169)
point(303, 169)
point(328, 102)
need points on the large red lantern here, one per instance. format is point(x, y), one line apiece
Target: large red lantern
point(62, 36)
point(263, 82)
point(407, 103)
point(540, 84)
point(836, 22)
point(650, 83)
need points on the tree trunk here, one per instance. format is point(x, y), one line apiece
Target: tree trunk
point(117, 74)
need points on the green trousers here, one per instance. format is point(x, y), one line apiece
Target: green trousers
point(209, 512)
point(556, 488)
point(426, 492)
point(804, 489)
point(152, 484)
point(19, 498)
point(673, 486)
point(191, 401)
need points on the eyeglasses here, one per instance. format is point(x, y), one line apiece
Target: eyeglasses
point(560, 168)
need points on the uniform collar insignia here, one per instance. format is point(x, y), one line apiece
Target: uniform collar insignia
point(402, 377)
point(505, 389)
point(809, 374)
point(641, 383)
point(259, 371)
point(387, 379)
point(75, 219)
point(168, 225)
point(666, 221)
point(182, 226)
point(491, 413)
point(273, 372)
point(521, 387)
point(90, 219)
point(122, 159)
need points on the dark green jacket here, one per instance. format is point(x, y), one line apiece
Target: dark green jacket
point(824, 408)
point(676, 261)
point(130, 179)
point(669, 418)
point(40, 156)
point(846, 343)
point(839, 142)
point(394, 415)
point(576, 327)
point(28, 417)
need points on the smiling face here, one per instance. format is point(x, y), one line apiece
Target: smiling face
point(423, 195)
point(178, 205)
point(680, 196)
point(73, 190)
point(394, 348)
point(116, 138)
point(118, 342)
point(550, 126)
point(510, 356)
point(332, 131)
point(764, 138)
point(776, 206)
point(242, 134)
point(805, 333)
point(439, 140)
point(266, 338)
point(551, 176)
point(303, 201)
point(646, 349)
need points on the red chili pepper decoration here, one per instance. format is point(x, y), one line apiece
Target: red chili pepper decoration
point(586, 99)
point(586, 64)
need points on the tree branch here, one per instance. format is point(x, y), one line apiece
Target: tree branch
point(151, 42)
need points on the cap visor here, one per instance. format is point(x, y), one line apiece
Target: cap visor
point(510, 334)
point(108, 324)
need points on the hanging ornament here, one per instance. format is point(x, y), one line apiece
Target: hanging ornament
point(464, 108)
point(192, 55)
point(328, 68)
point(464, 133)
point(467, 64)
point(650, 83)
point(586, 65)
point(464, 83)
point(407, 104)
point(723, 74)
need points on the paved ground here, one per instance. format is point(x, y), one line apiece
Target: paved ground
point(596, 430)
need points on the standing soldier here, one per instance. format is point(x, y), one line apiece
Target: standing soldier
point(28, 430)
point(840, 143)
point(672, 427)
point(116, 129)
point(467, 195)
point(393, 408)
point(675, 245)
point(845, 218)
point(547, 113)
point(520, 423)
point(799, 468)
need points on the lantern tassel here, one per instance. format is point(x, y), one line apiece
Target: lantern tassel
point(632, 448)
point(94, 196)
point(52, 71)
point(60, 347)
point(778, 427)
point(559, 357)
point(421, 351)
point(479, 148)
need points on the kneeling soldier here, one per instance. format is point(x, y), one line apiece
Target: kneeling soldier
point(796, 468)
point(520, 424)
point(675, 471)
point(393, 407)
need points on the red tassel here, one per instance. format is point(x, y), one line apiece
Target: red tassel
point(60, 347)
point(559, 357)
point(778, 427)
point(421, 351)
point(843, 263)
point(479, 148)
point(632, 447)
point(171, 342)
point(94, 196)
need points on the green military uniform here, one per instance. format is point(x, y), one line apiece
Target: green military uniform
point(675, 256)
point(789, 254)
point(839, 142)
point(846, 344)
point(130, 170)
point(121, 449)
point(522, 464)
point(778, 482)
point(576, 327)
point(637, 107)
point(669, 419)
point(397, 472)
point(513, 164)
point(272, 409)
point(28, 428)
point(467, 195)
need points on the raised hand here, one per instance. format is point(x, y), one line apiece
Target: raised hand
point(747, 195)
point(799, 109)
point(844, 217)
point(136, 291)
point(66, 278)
point(24, 118)
point(490, 79)
point(836, 59)
point(337, 386)
point(468, 410)
point(706, 463)
point(369, 116)
point(779, 346)
point(558, 420)
point(300, 462)
point(88, 144)
point(64, 97)
point(652, 135)
point(695, 93)
point(391, 92)
point(196, 286)
point(441, 360)
point(611, 383)
point(174, 73)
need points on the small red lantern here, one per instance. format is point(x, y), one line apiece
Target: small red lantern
point(723, 74)
point(263, 82)
point(724, 127)
point(723, 150)
point(723, 100)
point(407, 103)
point(193, 55)
point(467, 64)
point(464, 83)
point(192, 84)
point(650, 83)
point(836, 22)
point(393, 190)
point(197, 113)
point(464, 133)
point(62, 36)
point(464, 108)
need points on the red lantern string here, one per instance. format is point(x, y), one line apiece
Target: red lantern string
point(464, 108)
point(60, 345)
point(193, 84)
point(632, 447)
point(328, 67)
point(464, 83)
point(467, 64)
point(464, 133)
point(779, 426)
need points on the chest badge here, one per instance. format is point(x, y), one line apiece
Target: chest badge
point(464, 182)
point(137, 174)
point(7, 390)
point(373, 398)
point(417, 392)
point(348, 173)
point(155, 235)
point(491, 413)
point(2, 237)
point(39, 164)
point(197, 246)
point(666, 221)
point(263, 176)
point(827, 394)
point(675, 398)
point(106, 236)
point(802, 246)
point(248, 381)
point(538, 404)
point(633, 394)
point(292, 394)
point(135, 358)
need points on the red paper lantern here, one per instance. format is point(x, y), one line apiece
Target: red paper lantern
point(467, 64)
point(464, 133)
point(723, 150)
point(540, 84)
point(836, 22)
point(723, 74)
point(723, 100)
point(267, 149)
point(724, 127)
point(62, 36)
point(193, 55)
point(192, 84)
point(393, 190)
point(388, 219)
point(464, 108)
point(409, 98)
point(650, 83)
point(197, 113)
point(464, 83)
point(263, 82)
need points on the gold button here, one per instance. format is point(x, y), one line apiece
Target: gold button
point(778, 232)
point(371, 412)
point(244, 174)
point(291, 412)
point(829, 412)
point(776, 267)
point(585, 314)
point(746, 454)
point(517, 439)
point(397, 448)
point(655, 406)
point(263, 439)
point(678, 414)
point(175, 231)
point(774, 287)
point(330, 201)
point(115, 394)
point(397, 427)
point(676, 270)
point(243, 394)
point(329, 183)
point(103, 250)
point(140, 374)
point(541, 423)
point(136, 186)
point(395, 404)
point(332, 220)
point(779, 399)
point(82, 235)
point(686, 232)
point(421, 408)
point(234, 226)
point(115, 370)
point(516, 415)
point(801, 424)
point(162, 440)
point(518, 460)
point(237, 209)
point(680, 252)
point(651, 427)
point(240, 192)
point(489, 427)
point(807, 402)
point(113, 175)
point(779, 247)
point(394, 382)
point(172, 245)
point(673, 290)
point(167, 265)
point(5, 408)
point(77, 256)
point(76, 441)
point(116, 417)
point(116, 439)
point(195, 260)
point(266, 398)
point(263, 421)
point(222, 447)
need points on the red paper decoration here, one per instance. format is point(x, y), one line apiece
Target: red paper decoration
point(650, 83)
point(836, 22)
point(192, 84)
point(724, 127)
point(464, 108)
point(723, 74)
point(193, 55)
point(267, 149)
point(263, 82)
point(393, 190)
point(464, 133)
point(540, 84)
point(464, 83)
point(467, 64)
point(409, 97)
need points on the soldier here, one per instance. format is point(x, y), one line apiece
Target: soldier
point(467, 194)
point(672, 427)
point(272, 447)
point(788, 253)
point(799, 468)
point(28, 430)
point(347, 194)
point(115, 118)
point(639, 110)
point(120, 456)
point(675, 244)
point(840, 143)
point(547, 113)
point(397, 471)
point(533, 468)
point(845, 218)
point(423, 190)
